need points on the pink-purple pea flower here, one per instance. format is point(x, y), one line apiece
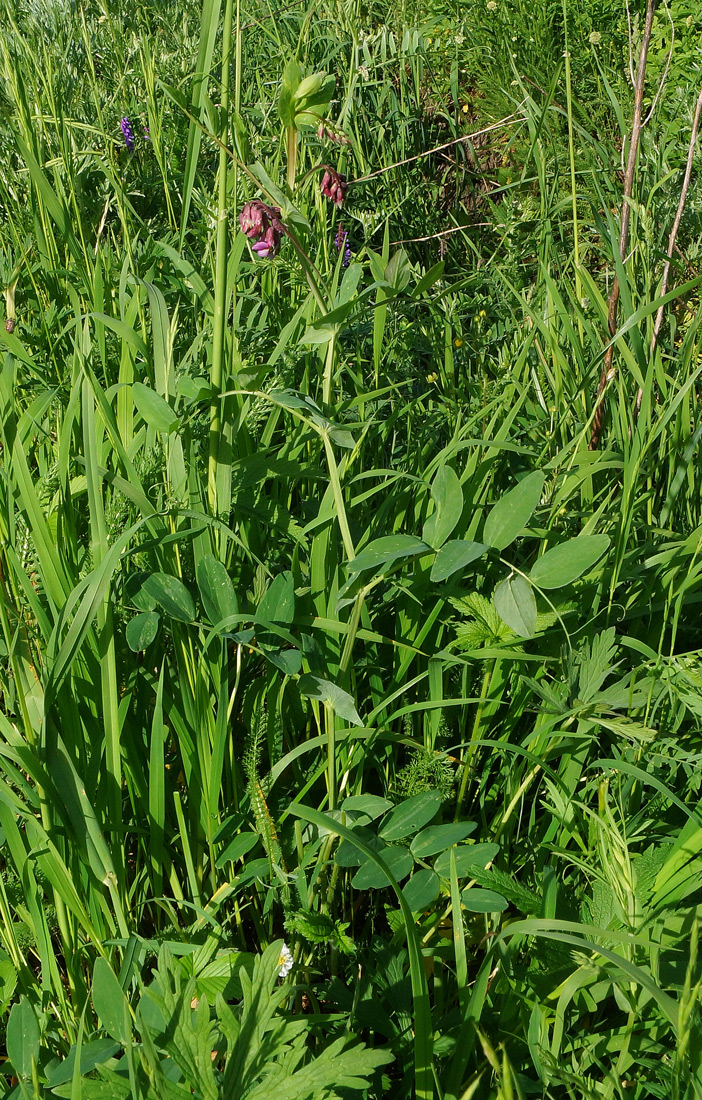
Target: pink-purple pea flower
point(334, 186)
point(262, 224)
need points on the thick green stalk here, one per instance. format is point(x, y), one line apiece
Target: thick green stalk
point(221, 256)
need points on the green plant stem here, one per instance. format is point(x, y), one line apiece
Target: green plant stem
point(221, 256)
point(335, 483)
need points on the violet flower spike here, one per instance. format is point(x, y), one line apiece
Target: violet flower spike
point(128, 134)
point(342, 241)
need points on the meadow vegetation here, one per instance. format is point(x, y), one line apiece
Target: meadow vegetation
point(350, 550)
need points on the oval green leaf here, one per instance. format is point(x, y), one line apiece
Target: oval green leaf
point(237, 848)
point(314, 687)
point(110, 1002)
point(171, 595)
point(513, 511)
point(216, 589)
point(437, 838)
point(22, 1038)
point(141, 631)
point(455, 555)
point(410, 815)
point(447, 495)
point(469, 857)
point(154, 409)
point(564, 563)
point(371, 877)
point(278, 603)
point(477, 900)
point(386, 551)
point(422, 889)
point(370, 805)
point(515, 604)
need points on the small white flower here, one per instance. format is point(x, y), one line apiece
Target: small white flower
point(285, 961)
point(492, 5)
point(363, 72)
point(459, 39)
point(594, 38)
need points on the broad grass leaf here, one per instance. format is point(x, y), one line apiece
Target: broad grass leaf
point(110, 1002)
point(437, 838)
point(371, 877)
point(477, 900)
point(171, 596)
point(154, 409)
point(422, 889)
point(314, 687)
point(455, 555)
point(515, 604)
point(141, 630)
point(410, 815)
point(216, 589)
point(467, 856)
point(22, 1038)
point(447, 495)
point(564, 563)
point(513, 511)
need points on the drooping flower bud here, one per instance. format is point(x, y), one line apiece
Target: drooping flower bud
point(334, 186)
point(263, 225)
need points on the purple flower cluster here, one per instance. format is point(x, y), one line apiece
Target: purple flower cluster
point(334, 186)
point(128, 134)
point(342, 242)
point(262, 224)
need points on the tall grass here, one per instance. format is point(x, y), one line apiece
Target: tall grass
point(320, 619)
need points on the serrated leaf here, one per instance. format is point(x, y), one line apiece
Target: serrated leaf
point(513, 511)
point(154, 409)
point(331, 695)
point(447, 495)
point(141, 630)
point(216, 589)
point(410, 815)
point(455, 555)
point(515, 604)
point(171, 595)
point(564, 563)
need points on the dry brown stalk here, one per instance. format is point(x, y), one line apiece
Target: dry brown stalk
point(607, 368)
point(673, 234)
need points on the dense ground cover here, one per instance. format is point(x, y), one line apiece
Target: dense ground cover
point(350, 664)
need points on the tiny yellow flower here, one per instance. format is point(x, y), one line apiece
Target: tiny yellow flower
point(465, 108)
point(458, 342)
point(431, 378)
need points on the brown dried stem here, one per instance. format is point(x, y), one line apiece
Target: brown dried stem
point(673, 235)
point(607, 368)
